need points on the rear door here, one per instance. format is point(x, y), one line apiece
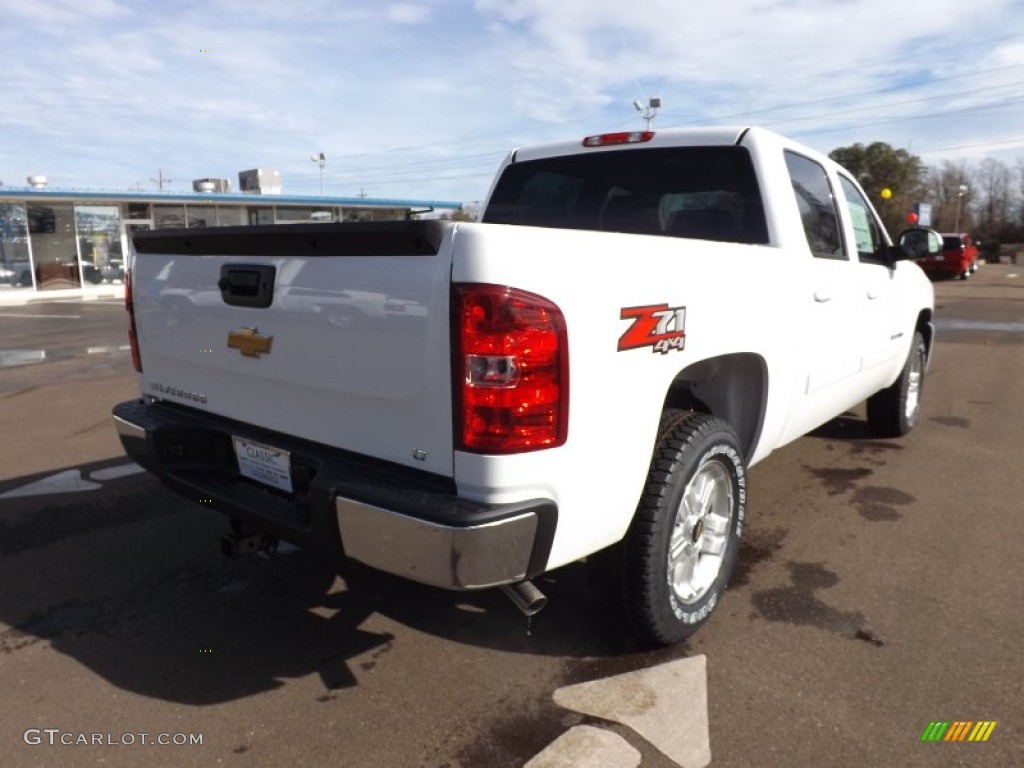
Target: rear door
point(831, 344)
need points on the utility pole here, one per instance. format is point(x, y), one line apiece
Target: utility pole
point(160, 179)
point(961, 191)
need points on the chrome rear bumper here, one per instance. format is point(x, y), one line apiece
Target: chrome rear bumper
point(453, 557)
point(396, 520)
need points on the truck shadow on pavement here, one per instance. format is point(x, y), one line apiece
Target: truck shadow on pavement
point(137, 591)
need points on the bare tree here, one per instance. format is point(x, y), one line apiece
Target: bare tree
point(949, 190)
point(1020, 200)
point(992, 206)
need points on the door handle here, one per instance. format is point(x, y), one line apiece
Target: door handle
point(872, 294)
point(822, 296)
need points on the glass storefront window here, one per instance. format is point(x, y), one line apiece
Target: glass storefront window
point(202, 216)
point(137, 210)
point(168, 216)
point(356, 214)
point(15, 265)
point(294, 215)
point(231, 216)
point(54, 250)
point(99, 243)
point(373, 214)
point(261, 215)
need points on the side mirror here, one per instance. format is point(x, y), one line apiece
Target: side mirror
point(917, 243)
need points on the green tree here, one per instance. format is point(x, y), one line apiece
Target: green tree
point(879, 166)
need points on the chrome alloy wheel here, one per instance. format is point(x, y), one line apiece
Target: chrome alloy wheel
point(913, 399)
point(700, 532)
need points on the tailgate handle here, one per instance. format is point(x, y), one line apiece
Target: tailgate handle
point(247, 285)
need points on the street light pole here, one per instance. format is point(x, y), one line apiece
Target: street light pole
point(321, 160)
point(647, 111)
point(959, 200)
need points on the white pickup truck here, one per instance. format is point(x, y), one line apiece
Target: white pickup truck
point(637, 319)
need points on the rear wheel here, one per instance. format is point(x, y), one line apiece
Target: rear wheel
point(670, 570)
point(893, 411)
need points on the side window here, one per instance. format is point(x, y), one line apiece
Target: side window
point(867, 231)
point(817, 206)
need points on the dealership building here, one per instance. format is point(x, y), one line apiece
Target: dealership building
point(54, 239)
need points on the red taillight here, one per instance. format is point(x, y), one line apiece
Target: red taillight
point(624, 137)
point(133, 338)
point(510, 370)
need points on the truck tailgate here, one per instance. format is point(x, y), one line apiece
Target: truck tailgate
point(350, 350)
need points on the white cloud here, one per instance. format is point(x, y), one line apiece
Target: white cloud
point(407, 13)
point(414, 99)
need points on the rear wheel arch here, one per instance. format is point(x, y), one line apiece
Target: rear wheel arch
point(732, 387)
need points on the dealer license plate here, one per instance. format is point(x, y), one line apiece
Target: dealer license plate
point(264, 463)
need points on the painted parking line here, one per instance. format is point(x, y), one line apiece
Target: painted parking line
point(41, 317)
point(113, 473)
point(68, 481)
point(13, 357)
point(586, 745)
point(666, 704)
point(10, 358)
point(110, 349)
point(953, 324)
point(71, 481)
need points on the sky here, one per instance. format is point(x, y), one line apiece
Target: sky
point(422, 99)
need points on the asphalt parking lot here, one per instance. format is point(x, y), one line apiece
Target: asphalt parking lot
point(878, 592)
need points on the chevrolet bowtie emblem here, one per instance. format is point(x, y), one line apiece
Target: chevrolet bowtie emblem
point(249, 342)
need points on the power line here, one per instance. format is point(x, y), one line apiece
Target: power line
point(855, 94)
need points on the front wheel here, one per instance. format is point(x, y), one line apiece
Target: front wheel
point(681, 547)
point(893, 411)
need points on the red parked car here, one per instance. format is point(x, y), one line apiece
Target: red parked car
point(959, 258)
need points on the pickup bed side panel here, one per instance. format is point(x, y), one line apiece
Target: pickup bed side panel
point(726, 298)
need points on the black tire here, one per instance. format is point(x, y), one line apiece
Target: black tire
point(695, 455)
point(893, 411)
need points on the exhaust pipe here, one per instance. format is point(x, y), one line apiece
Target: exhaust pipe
point(525, 596)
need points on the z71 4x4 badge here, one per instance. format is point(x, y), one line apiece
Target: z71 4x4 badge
point(658, 326)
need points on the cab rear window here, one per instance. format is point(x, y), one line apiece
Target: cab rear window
point(709, 193)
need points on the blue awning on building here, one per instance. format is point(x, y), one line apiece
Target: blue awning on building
point(32, 193)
